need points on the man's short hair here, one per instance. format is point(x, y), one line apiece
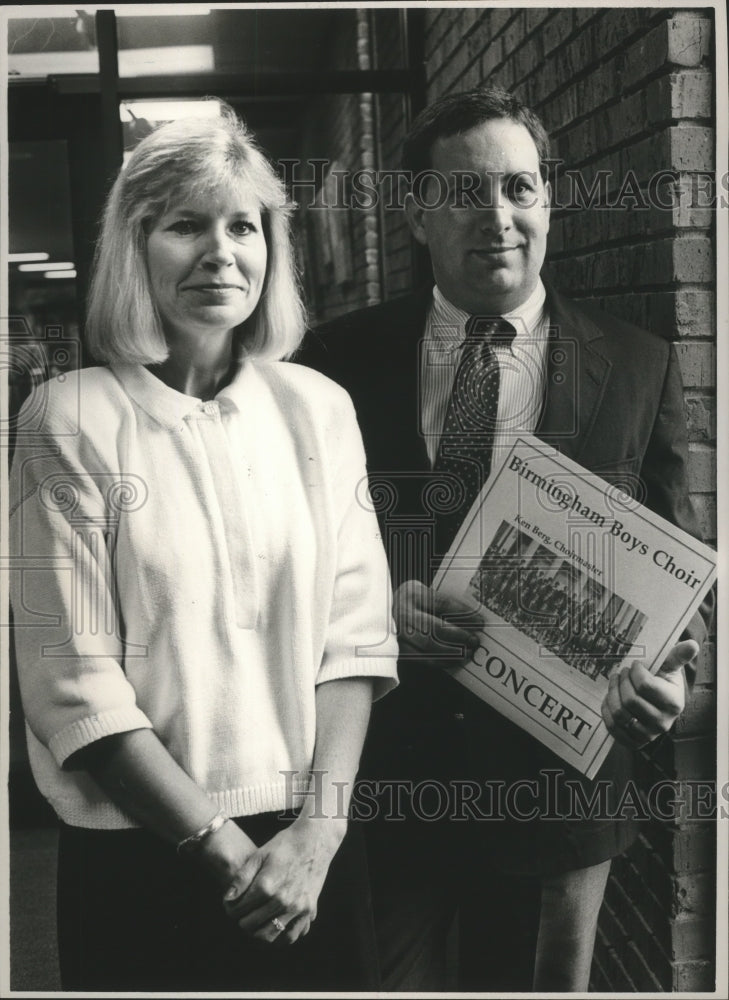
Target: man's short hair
point(458, 113)
point(183, 160)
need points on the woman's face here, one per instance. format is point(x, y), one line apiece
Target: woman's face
point(207, 264)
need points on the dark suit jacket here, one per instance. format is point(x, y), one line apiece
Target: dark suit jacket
point(613, 403)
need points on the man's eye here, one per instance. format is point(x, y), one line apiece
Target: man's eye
point(522, 192)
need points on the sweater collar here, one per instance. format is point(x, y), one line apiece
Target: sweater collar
point(168, 406)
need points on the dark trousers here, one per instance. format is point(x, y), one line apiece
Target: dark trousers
point(425, 876)
point(522, 925)
point(132, 915)
point(515, 932)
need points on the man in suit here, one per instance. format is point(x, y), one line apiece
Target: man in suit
point(528, 883)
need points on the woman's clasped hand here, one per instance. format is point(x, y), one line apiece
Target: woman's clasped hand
point(273, 896)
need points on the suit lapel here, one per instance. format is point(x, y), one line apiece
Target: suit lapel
point(404, 430)
point(576, 377)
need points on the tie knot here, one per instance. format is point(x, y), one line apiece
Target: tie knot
point(492, 329)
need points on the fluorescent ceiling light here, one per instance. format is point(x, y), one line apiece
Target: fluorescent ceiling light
point(60, 274)
point(61, 266)
point(43, 64)
point(163, 59)
point(150, 10)
point(167, 111)
point(22, 258)
point(167, 59)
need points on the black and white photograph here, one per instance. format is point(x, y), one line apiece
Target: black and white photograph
point(280, 285)
point(555, 602)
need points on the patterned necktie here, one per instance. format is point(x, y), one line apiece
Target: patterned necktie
point(464, 452)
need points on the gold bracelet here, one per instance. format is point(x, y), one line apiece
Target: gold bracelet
point(191, 843)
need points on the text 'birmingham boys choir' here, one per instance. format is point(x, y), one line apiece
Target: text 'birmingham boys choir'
point(571, 501)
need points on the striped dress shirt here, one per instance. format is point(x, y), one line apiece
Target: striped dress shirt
point(522, 367)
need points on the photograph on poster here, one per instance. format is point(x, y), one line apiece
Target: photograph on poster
point(556, 603)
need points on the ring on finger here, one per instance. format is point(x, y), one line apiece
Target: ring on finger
point(632, 726)
point(278, 924)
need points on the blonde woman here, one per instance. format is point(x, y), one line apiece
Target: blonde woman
point(200, 647)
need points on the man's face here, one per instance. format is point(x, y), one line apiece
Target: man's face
point(487, 247)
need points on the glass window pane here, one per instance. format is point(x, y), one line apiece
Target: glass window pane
point(52, 44)
point(44, 317)
point(159, 40)
point(201, 40)
point(153, 42)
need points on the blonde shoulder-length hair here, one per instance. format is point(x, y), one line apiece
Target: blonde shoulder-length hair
point(184, 160)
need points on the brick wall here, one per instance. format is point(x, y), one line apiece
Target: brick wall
point(628, 92)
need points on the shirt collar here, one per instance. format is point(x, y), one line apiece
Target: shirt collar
point(168, 406)
point(448, 322)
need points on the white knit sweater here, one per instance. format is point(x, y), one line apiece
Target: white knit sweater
point(193, 567)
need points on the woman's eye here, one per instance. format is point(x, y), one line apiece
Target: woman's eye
point(191, 227)
point(242, 227)
point(183, 227)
